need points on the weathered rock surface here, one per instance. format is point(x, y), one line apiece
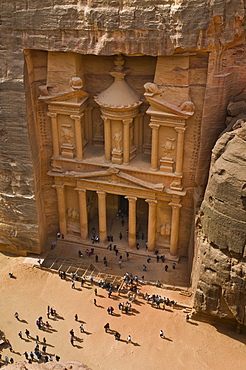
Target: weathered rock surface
point(214, 31)
point(221, 287)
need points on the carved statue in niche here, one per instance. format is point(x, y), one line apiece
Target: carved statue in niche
point(168, 146)
point(165, 229)
point(98, 128)
point(67, 135)
point(73, 214)
point(148, 135)
point(117, 140)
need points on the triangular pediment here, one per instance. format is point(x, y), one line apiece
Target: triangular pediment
point(119, 178)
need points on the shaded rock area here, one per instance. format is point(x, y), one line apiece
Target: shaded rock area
point(72, 365)
point(221, 265)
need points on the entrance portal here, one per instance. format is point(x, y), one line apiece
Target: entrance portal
point(123, 205)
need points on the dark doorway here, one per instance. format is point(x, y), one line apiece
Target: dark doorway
point(123, 205)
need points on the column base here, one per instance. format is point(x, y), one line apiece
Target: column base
point(169, 257)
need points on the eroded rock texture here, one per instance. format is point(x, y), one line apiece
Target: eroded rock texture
point(211, 34)
point(221, 288)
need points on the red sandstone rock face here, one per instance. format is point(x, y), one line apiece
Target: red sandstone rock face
point(153, 28)
point(221, 288)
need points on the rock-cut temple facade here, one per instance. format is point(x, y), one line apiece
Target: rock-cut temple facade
point(124, 148)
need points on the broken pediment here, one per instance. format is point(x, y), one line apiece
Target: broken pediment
point(74, 94)
point(159, 106)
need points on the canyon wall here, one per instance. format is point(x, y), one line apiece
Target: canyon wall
point(212, 34)
point(220, 266)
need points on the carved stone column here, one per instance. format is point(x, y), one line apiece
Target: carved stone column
point(154, 146)
point(107, 139)
point(126, 144)
point(102, 215)
point(132, 221)
point(83, 217)
point(61, 208)
point(180, 150)
point(78, 136)
point(174, 229)
point(55, 136)
point(151, 223)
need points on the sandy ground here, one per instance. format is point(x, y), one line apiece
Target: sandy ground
point(192, 345)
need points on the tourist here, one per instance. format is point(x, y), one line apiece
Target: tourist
point(144, 267)
point(166, 267)
point(127, 256)
point(120, 235)
point(161, 334)
point(32, 356)
point(95, 291)
point(187, 317)
point(129, 339)
point(20, 334)
point(148, 259)
point(117, 336)
point(73, 285)
point(11, 360)
point(76, 317)
point(120, 264)
point(46, 358)
point(27, 332)
point(96, 258)
point(106, 327)
point(174, 265)
point(81, 328)
point(72, 340)
point(37, 338)
point(58, 358)
point(17, 315)
point(44, 349)
point(95, 301)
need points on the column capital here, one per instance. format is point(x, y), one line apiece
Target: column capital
point(127, 121)
point(151, 201)
point(52, 114)
point(101, 193)
point(76, 117)
point(154, 126)
point(80, 190)
point(180, 129)
point(131, 199)
point(175, 205)
point(58, 186)
point(105, 119)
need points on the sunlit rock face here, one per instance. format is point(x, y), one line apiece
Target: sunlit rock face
point(192, 51)
point(221, 288)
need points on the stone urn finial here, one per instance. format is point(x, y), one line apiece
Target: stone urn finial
point(76, 83)
point(119, 62)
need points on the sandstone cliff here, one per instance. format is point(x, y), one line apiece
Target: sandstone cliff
point(221, 233)
point(132, 27)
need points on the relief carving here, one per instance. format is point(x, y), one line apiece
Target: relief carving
point(165, 229)
point(67, 135)
point(73, 214)
point(117, 141)
point(168, 146)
